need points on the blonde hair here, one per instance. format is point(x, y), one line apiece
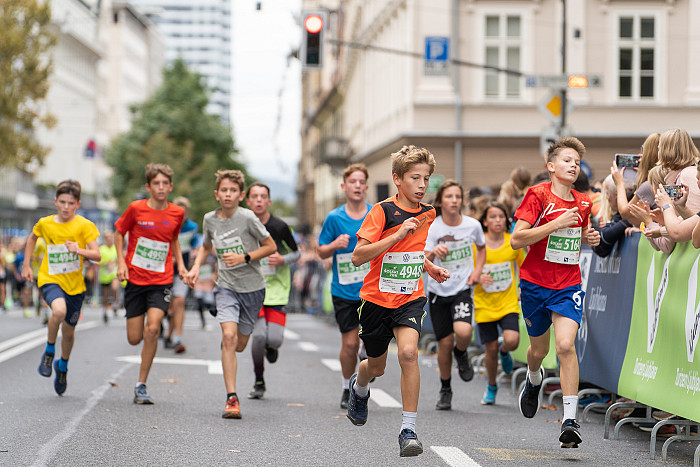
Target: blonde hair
point(657, 176)
point(573, 143)
point(183, 202)
point(650, 156)
point(152, 171)
point(408, 156)
point(236, 176)
point(677, 150)
point(352, 168)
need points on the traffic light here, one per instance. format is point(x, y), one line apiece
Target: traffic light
point(313, 26)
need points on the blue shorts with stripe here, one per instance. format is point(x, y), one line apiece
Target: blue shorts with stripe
point(538, 303)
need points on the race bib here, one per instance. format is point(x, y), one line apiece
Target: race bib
point(229, 245)
point(62, 261)
point(502, 277)
point(206, 272)
point(265, 267)
point(347, 272)
point(150, 254)
point(401, 272)
point(459, 256)
point(185, 239)
point(564, 246)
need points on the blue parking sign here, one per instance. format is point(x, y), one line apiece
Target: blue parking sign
point(437, 54)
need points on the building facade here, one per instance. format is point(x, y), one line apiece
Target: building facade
point(480, 123)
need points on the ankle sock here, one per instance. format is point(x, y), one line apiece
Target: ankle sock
point(140, 384)
point(570, 406)
point(259, 381)
point(535, 377)
point(176, 340)
point(228, 396)
point(408, 421)
point(346, 383)
point(62, 365)
point(459, 353)
point(445, 383)
point(50, 348)
point(361, 391)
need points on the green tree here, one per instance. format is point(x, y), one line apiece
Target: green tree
point(172, 127)
point(25, 67)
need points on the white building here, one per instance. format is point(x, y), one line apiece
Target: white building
point(199, 32)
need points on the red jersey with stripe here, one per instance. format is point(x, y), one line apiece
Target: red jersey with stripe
point(384, 219)
point(540, 206)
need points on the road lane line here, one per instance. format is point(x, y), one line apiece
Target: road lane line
point(290, 335)
point(213, 366)
point(454, 456)
point(57, 444)
point(382, 398)
point(4, 345)
point(332, 363)
point(35, 342)
point(308, 346)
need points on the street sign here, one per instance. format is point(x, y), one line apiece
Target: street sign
point(437, 54)
point(551, 106)
point(562, 81)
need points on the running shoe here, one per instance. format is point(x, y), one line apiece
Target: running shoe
point(27, 313)
point(489, 395)
point(408, 443)
point(344, 399)
point(357, 406)
point(570, 437)
point(167, 343)
point(45, 365)
point(258, 390)
point(506, 362)
point(271, 354)
point(179, 348)
point(233, 408)
point(445, 400)
point(141, 397)
point(60, 382)
point(464, 366)
point(529, 400)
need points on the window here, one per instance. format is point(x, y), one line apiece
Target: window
point(636, 57)
point(502, 42)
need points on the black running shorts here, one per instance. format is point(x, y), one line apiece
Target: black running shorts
point(488, 332)
point(377, 323)
point(446, 310)
point(138, 299)
point(346, 313)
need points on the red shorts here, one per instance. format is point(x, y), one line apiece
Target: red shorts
point(273, 314)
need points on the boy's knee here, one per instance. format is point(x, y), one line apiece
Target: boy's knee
point(229, 340)
point(408, 354)
point(565, 347)
point(151, 332)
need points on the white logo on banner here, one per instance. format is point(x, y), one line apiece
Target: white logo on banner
point(585, 261)
point(654, 303)
point(692, 317)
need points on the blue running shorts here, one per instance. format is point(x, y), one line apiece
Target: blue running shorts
point(538, 303)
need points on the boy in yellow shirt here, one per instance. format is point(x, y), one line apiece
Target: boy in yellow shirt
point(69, 238)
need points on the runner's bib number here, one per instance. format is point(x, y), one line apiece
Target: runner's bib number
point(229, 245)
point(265, 267)
point(62, 261)
point(150, 254)
point(401, 272)
point(502, 277)
point(564, 246)
point(459, 256)
point(347, 272)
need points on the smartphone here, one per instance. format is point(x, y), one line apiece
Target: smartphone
point(674, 191)
point(630, 161)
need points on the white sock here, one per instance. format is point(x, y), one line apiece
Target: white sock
point(140, 383)
point(176, 340)
point(570, 406)
point(408, 420)
point(361, 391)
point(535, 377)
point(346, 383)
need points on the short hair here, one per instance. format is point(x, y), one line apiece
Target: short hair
point(152, 170)
point(582, 184)
point(182, 202)
point(497, 205)
point(408, 156)
point(69, 187)
point(449, 183)
point(570, 142)
point(542, 177)
point(677, 150)
point(258, 184)
point(352, 168)
point(236, 176)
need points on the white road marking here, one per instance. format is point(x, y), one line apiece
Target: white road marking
point(290, 335)
point(454, 456)
point(308, 346)
point(332, 363)
point(382, 398)
point(213, 366)
point(20, 344)
point(57, 444)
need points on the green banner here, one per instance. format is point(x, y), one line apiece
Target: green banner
point(660, 368)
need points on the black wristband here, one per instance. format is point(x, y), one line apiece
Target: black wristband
point(247, 258)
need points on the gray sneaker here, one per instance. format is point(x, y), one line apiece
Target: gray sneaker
point(464, 366)
point(445, 400)
point(258, 390)
point(141, 396)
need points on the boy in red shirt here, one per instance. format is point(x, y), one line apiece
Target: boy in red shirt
point(392, 237)
point(553, 220)
point(153, 226)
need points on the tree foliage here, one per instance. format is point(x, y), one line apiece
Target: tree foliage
point(172, 127)
point(25, 66)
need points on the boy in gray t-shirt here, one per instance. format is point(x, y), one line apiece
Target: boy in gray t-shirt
point(239, 240)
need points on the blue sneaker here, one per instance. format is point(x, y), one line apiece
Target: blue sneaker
point(506, 362)
point(60, 382)
point(489, 395)
point(357, 406)
point(141, 396)
point(45, 365)
point(408, 443)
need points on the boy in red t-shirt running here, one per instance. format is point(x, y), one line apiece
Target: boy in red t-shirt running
point(553, 220)
point(392, 237)
point(153, 226)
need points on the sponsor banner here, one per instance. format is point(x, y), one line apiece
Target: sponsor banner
point(602, 338)
point(660, 367)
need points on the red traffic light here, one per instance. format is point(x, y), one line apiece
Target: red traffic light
point(313, 24)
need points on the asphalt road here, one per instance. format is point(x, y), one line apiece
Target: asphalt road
point(299, 421)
